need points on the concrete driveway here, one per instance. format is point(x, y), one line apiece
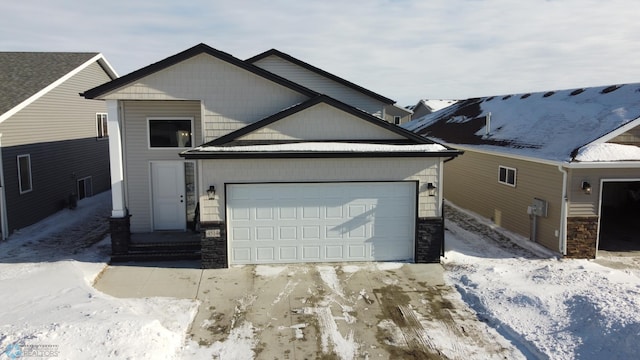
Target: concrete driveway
point(319, 311)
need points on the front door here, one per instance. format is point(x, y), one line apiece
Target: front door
point(168, 194)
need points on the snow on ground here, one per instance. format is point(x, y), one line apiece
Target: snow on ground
point(50, 307)
point(548, 307)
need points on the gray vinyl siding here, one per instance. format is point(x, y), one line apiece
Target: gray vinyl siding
point(61, 114)
point(321, 84)
point(631, 137)
point(581, 204)
point(322, 122)
point(55, 168)
point(58, 131)
point(139, 155)
point(232, 97)
point(220, 172)
point(471, 182)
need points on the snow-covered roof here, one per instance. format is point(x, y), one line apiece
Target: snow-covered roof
point(343, 147)
point(436, 105)
point(608, 152)
point(552, 125)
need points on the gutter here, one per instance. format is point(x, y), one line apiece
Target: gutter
point(563, 212)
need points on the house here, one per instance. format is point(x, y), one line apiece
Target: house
point(323, 82)
point(270, 170)
point(426, 106)
point(53, 142)
point(559, 167)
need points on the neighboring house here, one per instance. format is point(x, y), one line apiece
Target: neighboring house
point(326, 83)
point(559, 167)
point(273, 171)
point(53, 142)
point(426, 107)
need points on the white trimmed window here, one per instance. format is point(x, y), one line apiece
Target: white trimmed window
point(170, 133)
point(396, 120)
point(85, 188)
point(24, 173)
point(101, 123)
point(507, 175)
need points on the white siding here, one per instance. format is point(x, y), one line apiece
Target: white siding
point(322, 122)
point(139, 155)
point(220, 172)
point(321, 84)
point(232, 97)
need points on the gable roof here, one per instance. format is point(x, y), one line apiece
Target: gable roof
point(314, 101)
point(184, 55)
point(291, 59)
point(227, 146)
point(551, 125)
point(25, 76)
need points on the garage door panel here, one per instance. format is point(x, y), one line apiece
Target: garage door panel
point(321, 222)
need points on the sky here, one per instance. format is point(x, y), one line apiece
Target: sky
point(403, 49)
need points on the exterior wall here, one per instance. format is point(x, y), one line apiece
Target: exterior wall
point(321, 122)
point(59, 132)
point(321, 84)
point(472, 183)
point(583, 205)
point(139, 155)
point(391, 111)
point(220, 172)
point(232, 97)
point(631, 137)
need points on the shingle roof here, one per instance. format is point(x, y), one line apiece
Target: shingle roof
point(23, 74)
point(549, 125)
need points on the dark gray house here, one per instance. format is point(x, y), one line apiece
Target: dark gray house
point(53, 146)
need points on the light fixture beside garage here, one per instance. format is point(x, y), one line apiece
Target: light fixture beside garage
point(211, 192)
point(586, 187)
point(431, 189)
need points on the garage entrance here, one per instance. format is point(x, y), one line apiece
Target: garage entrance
point(321, 222)
point(620, 216)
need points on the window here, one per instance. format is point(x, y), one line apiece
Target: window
point(396, 120)
point(85, 188)
point(24, 173)
point(507, 176)
point(169, 133)
point(101, 123)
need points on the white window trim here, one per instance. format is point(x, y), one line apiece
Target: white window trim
point(103, 117)
point(28, 156)
point(169, 118)
point(397, 120)
point(515, 175)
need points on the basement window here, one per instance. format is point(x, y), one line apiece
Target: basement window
point(507, 176)
point(85, 188)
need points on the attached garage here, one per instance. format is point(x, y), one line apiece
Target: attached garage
point(321, 222)
point(619, 214)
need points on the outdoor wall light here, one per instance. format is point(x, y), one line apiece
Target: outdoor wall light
point(211, 192)
point(431, 189)
point(586, 187)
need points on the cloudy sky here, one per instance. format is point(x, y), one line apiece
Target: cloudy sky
point(402, 49)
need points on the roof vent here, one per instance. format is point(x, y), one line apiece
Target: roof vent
point(576, 92)
point(549, 94)
point(610, 89)
point(487, 125)
point(506, 97)
point(525, 96)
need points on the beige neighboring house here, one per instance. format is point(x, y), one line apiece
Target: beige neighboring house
point(559, 167)
point(53, 143)
point(269, 170)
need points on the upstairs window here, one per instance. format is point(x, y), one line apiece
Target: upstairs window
point(24, 173)
point(507, 176)
point(101, 123)
point(170, 133)
point(396, 120)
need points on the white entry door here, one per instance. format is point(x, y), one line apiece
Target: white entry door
point(168, 194)
point(321, 222)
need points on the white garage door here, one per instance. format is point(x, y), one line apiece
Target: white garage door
point(321, 222)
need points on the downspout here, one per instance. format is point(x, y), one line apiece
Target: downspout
point(563, 213)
